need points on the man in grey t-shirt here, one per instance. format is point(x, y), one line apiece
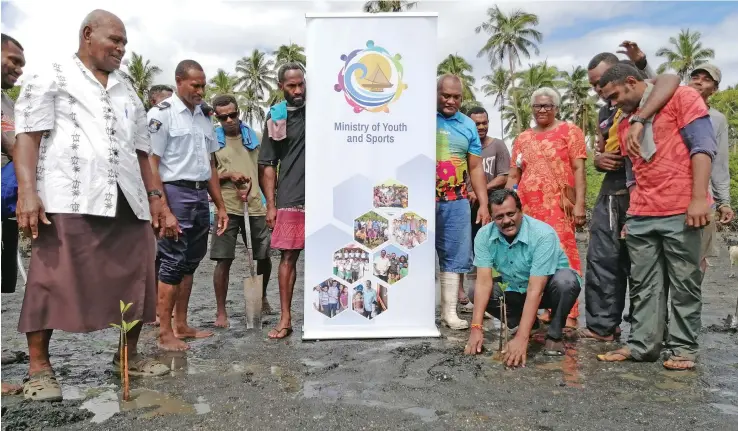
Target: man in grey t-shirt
point(496, 164)
point(706, 79)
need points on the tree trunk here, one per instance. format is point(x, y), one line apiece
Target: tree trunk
point(502, 122)
point(517, 102)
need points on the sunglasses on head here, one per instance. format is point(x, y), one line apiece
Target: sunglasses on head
point(224, 117)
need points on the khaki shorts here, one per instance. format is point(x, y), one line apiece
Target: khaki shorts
point(709, 237)
point(224, 246)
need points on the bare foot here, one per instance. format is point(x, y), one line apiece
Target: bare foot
point(11, 389)
point(221, 321)
point(190, 332)
point(572, 323)
point(155, 323)
point(172, 344)
point(266, 309)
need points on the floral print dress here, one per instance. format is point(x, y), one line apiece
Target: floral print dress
point(546, 163)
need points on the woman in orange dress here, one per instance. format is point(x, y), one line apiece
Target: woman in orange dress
point(547, 165)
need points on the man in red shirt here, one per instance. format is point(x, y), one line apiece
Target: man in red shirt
point(669, 206)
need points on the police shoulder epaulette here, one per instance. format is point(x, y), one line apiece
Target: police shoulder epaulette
point(163, 105)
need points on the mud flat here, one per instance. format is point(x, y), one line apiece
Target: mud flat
point(239, 379)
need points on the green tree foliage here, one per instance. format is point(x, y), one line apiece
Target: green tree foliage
point(456, 65)
point(684, 54)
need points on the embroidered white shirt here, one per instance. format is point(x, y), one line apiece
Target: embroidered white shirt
point(92, 134)
point(184, 140)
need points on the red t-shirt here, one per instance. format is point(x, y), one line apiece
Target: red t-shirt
point(664, 185)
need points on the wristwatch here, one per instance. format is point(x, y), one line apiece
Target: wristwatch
point(154, 192)
point(637, 119)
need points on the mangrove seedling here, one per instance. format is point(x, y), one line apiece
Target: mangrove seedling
point(124, 327)
point(503, 316)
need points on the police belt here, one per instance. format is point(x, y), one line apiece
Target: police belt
point(196, 185)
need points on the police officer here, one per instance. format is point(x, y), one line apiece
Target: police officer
point(182, 141)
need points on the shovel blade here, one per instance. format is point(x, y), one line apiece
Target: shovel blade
point(252, 292)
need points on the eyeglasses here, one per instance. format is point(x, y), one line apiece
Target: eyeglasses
point(547, 107)
point(225, 117)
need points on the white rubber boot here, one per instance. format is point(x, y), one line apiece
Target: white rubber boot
point(449, 300)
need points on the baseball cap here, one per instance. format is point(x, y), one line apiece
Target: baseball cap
point(711, 70)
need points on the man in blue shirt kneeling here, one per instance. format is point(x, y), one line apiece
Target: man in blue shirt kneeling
point(534, 272)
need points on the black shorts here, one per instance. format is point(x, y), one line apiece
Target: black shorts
point(224, 246)
point(9, 256)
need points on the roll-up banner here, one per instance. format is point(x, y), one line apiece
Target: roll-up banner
point(370, 176)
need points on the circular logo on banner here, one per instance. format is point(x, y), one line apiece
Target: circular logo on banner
point(371, 78)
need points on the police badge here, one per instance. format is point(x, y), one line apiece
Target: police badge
point(154, 125)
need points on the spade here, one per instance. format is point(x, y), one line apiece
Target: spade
point(252, 285)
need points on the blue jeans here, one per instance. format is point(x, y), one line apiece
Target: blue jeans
point(182, 257)
point(453, 236)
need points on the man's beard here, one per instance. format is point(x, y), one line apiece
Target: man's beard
point(292, 102)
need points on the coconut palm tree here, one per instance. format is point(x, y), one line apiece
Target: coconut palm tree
point(576, 92)
point(685, 54)
point(510, 37)
point(456, 65)
point(389, 6)
point(498, 83)
point(292, 53)
point(223, 83)
point(275, 96)
point(536, 76)
point(141, 74)
point(517, 115)
point(256, 73)
point(252, 107)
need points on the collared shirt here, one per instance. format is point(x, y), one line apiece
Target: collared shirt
point(535, 251)
point(382, 265)
point(184, 140)
point(93, 133)
point(664, 185)
point(370, 295)
point(456, 138)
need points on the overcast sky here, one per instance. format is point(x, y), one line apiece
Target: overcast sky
point(216, 33)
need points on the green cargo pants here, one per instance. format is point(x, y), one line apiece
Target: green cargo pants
point(665, 256)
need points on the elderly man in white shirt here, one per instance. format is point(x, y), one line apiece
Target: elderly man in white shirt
point(86, 196)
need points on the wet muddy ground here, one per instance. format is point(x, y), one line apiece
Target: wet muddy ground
point(241, 380)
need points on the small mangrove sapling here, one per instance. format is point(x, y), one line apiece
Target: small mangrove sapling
point(503, 316)
point(124, 327)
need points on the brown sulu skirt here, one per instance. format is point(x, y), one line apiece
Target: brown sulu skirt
point(82, 266)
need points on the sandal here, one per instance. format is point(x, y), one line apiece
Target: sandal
point(671, 363)
point(139, 366)
point(274, 333)
point(619, 355)
point(42, 386)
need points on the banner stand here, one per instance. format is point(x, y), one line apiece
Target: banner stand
point(370, 176)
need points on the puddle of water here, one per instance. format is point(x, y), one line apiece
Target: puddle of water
point(291, 383)
point(426, 415)
point(107, 404)
point(326, 393)
point(669, 385)
point(727, 409)
point(312, 363)
point(631, 376)
point(104, 406)
point(201, 407)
